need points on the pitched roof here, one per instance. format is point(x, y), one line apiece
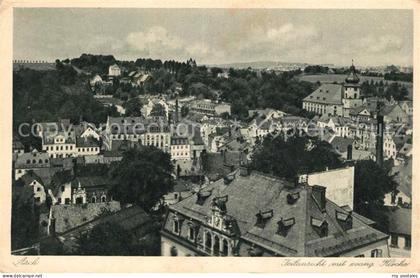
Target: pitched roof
point(340, 143)
point(29, 177)
point(249, 195)
point(399, 220)
point(71, 216)
point(326, 94)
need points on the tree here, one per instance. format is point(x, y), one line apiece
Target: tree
point(287, 158)
point(106, 240)
point(142, 177)
point(133, 107)
point(371, 183)
point(25, 217)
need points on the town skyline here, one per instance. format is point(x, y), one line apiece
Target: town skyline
point(224, 36)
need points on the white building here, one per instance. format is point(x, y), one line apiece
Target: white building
point(114, 70)
point(338, 182)
point(180, 148)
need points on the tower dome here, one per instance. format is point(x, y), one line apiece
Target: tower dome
point(352, 77)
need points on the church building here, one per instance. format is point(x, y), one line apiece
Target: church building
point(335, 99)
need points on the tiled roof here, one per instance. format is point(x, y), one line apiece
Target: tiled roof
point(92, 181)
point(399, 220)
point(29, 177)
point(71, 216)
point(326, 94)
point(86, 142)
point(136, 125)
point(249, 195)
point(340, 143)
point(22, 159)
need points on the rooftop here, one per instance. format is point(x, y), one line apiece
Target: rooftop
point(249, 195)
point(326, 94)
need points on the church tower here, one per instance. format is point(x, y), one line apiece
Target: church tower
point(351, 93)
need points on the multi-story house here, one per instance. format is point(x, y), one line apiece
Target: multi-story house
point(114, 71)
point(209, 108)
point(400, 232)
point(180, 148)
point(30, 179)
point(233, 217)
point(31, 161)
point(335, 99)
point(148, 132)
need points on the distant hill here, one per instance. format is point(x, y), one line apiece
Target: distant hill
point(34, 66)
point(258, 65)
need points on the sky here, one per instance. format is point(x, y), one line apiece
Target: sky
point(217, 36)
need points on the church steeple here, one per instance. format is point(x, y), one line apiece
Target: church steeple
point(352, 77)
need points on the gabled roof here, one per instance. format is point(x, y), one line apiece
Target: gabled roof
point(399, 220)
point(326, 94)
point(29, 177)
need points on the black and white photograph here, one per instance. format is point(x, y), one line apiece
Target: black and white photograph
point(212, 132)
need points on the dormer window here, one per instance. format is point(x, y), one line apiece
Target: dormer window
point(292, 198)
point(263, 217)
point(202, 196)
point(284, 226)
point(177, 221)
point(176, 227)
point(345, 219)
point(320, 226)
point(220, 203)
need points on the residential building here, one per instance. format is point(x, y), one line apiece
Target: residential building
point(208, 107)
point(180, 148)
point(148, 132)
point(234, 217)
point(31, 161)
point(400, 232)
point(407, 107)
point(30, 179)
point(114, 71)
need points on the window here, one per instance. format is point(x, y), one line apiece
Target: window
point(67, 201)
point(176, 227)
point(62, 188)
point(103, 199)
point(59, 200)
point(407, 244)
point(191, 233)
point(394, 241)
point(376, 253)
point(28, 161)
point(38, 189)
point(37, 199)
point(93, 200)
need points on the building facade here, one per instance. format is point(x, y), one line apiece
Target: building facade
point(233, 217)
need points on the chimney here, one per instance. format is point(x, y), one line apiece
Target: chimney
point(51, 228)
point(380, 137)
point(244, 169)
point(349, 152)
point(318, 193)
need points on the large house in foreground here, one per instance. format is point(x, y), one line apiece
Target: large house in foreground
point(252, 214)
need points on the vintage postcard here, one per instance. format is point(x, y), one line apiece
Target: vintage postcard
point(209, 137)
